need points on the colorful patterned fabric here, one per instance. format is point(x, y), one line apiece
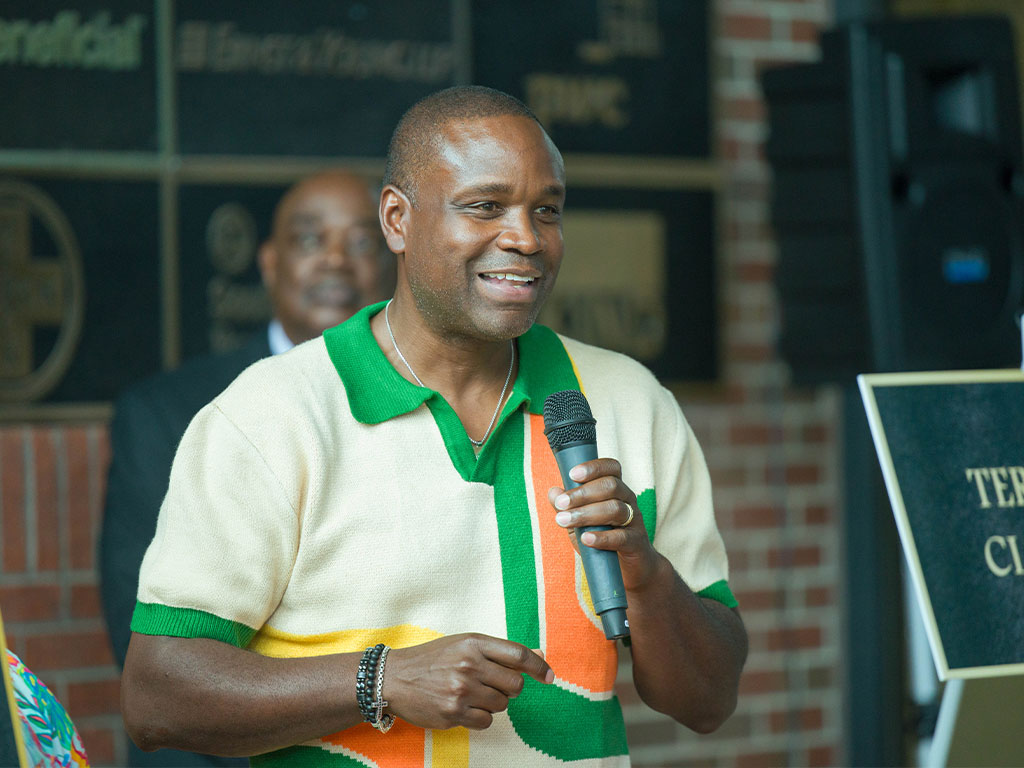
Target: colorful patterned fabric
point(323, 504)
point(49, 735)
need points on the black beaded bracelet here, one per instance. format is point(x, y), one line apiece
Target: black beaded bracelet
point(370, 686)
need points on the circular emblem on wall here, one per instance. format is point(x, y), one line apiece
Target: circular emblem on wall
point(231, 238)
point(42, 292)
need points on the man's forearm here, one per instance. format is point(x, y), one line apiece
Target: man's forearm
point(206, 696)
point(688, 652)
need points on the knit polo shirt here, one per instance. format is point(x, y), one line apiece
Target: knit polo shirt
point(322, 504)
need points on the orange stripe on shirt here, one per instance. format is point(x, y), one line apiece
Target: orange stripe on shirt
point(403, 745)
point(575, 648)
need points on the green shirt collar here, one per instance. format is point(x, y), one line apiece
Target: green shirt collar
point(377, 392)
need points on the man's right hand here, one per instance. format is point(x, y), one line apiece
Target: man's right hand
point(459, 679)
point(204, 695)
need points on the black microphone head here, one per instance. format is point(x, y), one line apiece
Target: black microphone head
point(568, 420)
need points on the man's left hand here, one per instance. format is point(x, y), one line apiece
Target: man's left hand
point(603, 499)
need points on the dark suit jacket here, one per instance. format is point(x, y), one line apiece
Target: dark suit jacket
point(149, 419)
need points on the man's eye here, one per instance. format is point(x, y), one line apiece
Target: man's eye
point(487, 206)
point(549, 211)
point(308, 241)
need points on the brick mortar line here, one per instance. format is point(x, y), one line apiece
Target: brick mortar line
point(814, 12)
point(28, 456)
point(80, 675)
point(753, 131)
point(732, 500)
point(749, 534)
point(776, 50)
point(78, 577)
point(809, 576)
point(60, 449)
point(769, 703)
point(775, 666)
point(95, 501)
point(696, 748)
point(56, 626)
point(793, 619)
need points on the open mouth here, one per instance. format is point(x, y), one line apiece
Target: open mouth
point(508, 278)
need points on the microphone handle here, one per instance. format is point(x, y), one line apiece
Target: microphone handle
point(604, 576)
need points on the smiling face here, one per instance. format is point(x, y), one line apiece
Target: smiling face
point(323, 261)
point(483, 243)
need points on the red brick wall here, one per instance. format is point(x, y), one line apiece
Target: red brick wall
point(773, 450)
point(773, 453)
point(51, 499)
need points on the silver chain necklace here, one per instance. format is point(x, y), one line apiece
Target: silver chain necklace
point(501, 397)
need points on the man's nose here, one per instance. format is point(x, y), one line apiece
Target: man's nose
point(520, 234)
point(335, 253)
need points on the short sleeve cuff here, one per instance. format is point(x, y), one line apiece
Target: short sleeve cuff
point(718, 591)
point(156, 619)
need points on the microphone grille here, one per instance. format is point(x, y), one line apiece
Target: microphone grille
point(567, 419)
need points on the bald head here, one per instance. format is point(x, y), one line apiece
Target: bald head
point(339, 183)
point(325, 258)
point(417, 138)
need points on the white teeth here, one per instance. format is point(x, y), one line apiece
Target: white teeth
point(507, 276)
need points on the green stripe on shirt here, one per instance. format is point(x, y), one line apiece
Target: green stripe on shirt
point(156, 619)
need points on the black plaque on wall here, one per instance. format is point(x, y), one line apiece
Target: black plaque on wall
point(304, 78)
point(603, 77)
point(78, 75)
point(81, 289)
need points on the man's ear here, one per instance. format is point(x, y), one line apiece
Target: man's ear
point(267, 259)
point(394, 217)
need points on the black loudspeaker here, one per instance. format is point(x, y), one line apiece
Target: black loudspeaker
point(897, 202)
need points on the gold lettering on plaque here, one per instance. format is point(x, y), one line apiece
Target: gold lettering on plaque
point(1003, 543)
point(69, 42)
point(221, 47)
point(37, 291)
point(1006, 484)
point(990, 556)
point(627, 28)
point(578, 99)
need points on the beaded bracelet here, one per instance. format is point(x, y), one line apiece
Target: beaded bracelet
point(370, 688)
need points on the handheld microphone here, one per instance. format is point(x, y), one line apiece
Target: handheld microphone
point(569, 427)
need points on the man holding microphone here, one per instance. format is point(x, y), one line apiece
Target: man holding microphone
point(363, 558)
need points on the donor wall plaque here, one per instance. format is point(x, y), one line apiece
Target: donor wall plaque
point(78, 75)
point(603, 76)
point(952, 455)
point(306, 79)
point(80, 300)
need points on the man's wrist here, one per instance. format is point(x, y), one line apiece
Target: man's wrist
point(370, 688)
